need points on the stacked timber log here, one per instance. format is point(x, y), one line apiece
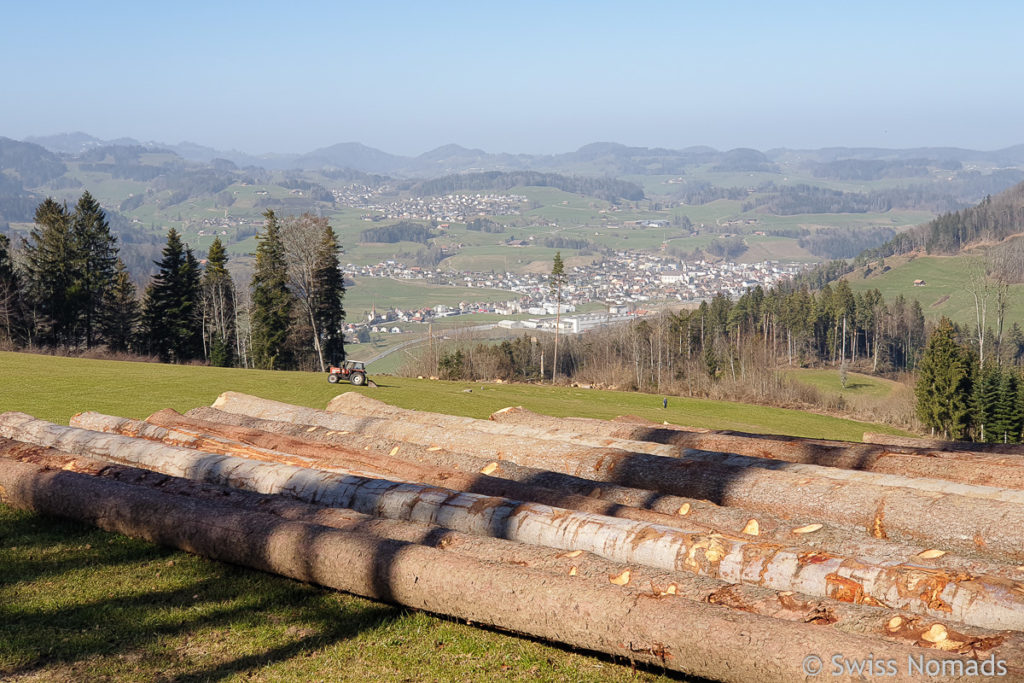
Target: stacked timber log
point(728, 556)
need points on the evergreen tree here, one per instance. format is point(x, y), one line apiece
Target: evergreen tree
point(1009, 421)
point(12, 312)
point(172, 328)
point(944, 383)
point(986, 403)
point(50, 262)
point(555, 283)
point(94, 264)
point(327, 303)
point(120, 313)
point(272, 302)
point(218, 307)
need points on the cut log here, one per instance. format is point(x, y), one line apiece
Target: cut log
point(589, 569)
point(359, 406)
point(227, 440)
point(604, 618)
point(295, 451)
point(699, 511)
point(978, 600)
point(829, 539)
point(917, 443)
point(1004, 471)
point(987, 522)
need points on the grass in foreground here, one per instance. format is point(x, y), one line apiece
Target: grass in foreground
point(77, 603)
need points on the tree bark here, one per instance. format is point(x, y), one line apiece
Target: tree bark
point(588, 569)
point(829, 539)
point(977, 600)
point(1003, 471)
point(174, 429)
point(193, 433)
point(967, 447)
point(975, 520)
point(683, 635)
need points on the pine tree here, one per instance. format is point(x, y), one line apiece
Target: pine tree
point(94, 263)
point(556, 282)
point(49, 255)
point(12, 311)
point(986, 403)
point(330, 291)
point(172, 328)
point(944, 383)
point(272, 302)
point(1009, 422)
point(120, 313)
point(218, 307)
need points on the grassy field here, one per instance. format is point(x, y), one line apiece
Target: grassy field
point(857, 385)
point(387, 293)
point(81, 604)
point(945, 290)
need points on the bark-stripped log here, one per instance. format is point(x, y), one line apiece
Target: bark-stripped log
point(703, 642)
point(214, 438)
point(917, 443)
point(588, 569)
point(829, 538)
point(979, 600)
point(969, 524)
point(196, 434)
point(357, 405)
point(1004, 471)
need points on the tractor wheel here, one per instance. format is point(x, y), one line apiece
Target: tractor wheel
point(358, 379)
point(333, 378)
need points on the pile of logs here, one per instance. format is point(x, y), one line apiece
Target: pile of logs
point(730, 556)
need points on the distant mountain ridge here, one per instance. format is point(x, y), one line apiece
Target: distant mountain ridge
point(597, 158)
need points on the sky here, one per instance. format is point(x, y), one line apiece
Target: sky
point(519, 77)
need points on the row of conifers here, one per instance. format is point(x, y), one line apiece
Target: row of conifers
point(735, 557)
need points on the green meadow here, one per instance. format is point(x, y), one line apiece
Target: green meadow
point(77, 603)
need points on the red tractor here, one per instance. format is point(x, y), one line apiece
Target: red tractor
point(352, 370)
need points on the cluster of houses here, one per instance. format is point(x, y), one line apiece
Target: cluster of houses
point(625, 277)
point(456, 208)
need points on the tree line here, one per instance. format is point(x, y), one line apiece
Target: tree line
point(690, 350)
point(67, 288)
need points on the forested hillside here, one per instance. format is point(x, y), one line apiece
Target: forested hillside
point(993, 220)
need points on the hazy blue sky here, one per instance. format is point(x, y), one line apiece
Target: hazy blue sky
point(516, 76)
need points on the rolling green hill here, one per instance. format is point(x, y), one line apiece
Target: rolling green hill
point(945, 290)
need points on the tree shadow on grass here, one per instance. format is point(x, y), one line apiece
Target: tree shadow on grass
point(51, 618)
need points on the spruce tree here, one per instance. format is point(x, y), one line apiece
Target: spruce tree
point(555, 283)
point(120, 313)
point(272, 302)
point(1009, 422)
point(189, 342)
point(944, 383)
point(95, 265)
point(50, 264)
point(172, 328)
point(329, 292)
point(986, 403)
point(218, 307)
